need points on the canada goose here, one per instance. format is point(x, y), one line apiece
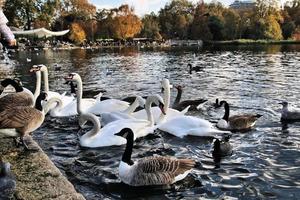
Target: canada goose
point(222, 148)
point(183, 104)
point(286, 114)
point(237, 122)
point(156, 170)
point(16, 83)
point(21, 120)
point(195, 68)
point(217, 103)
point(7, 181)
point(22, 97)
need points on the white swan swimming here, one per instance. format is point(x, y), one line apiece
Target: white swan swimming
point(109, 117)
point(77, 106)
point(170, 113)
point(64, 98)
point(100, 137)
point(188, 125)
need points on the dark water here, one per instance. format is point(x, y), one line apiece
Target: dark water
point(266, 160)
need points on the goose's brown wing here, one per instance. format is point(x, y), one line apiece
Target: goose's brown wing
point(18, 117)
point(245, 121)
point(160, 170)
point(16, 99)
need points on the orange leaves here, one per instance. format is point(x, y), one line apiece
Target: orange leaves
point(126, 26)
point(77, 34)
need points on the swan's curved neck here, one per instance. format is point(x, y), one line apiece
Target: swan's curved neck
point(96, 124)
point(46, 81)
point(50, 102)
point(149, 112)
point(227, 110)
point(37, 85)
point(178, 97)
point(79, 95)
point(132, 107)
point(128, 150)
point(167, 97)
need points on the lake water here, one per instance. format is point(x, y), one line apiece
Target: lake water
point(266, 160)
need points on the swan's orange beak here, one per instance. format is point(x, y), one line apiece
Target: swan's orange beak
point(162, 108)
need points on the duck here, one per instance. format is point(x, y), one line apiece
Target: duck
point(100, 137)
point(242, 122)
point(22, 97)
point(182, 126)
point(21, 120)
point(222, 148)
point(125, 114)
point(289, 114)
point(7, 181)
point(181, 105)
point(44, 70)
point(149, 171)
point(195, 68)
point(170, 112)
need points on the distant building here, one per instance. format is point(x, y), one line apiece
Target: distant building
point(242, 4)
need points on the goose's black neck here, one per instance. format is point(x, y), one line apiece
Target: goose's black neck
point(226, 115)
point(178, 97)
point(38, 103)
point(128, 150)
point(13, 83)
point(73, 90)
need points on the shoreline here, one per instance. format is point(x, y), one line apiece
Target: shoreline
point(36, 175)
point(251, 42)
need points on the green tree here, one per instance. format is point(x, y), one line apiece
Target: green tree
point(216, 26)
point(232, 22)
point(199, 26)
point(151, 27)
point(175, 19)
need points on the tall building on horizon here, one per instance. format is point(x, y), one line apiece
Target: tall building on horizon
point(238, 4)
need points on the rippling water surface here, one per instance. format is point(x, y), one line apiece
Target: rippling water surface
point(266, 160)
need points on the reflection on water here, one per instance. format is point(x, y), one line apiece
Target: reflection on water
point(265, 162)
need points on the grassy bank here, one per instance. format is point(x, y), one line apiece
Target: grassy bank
point(251, 42)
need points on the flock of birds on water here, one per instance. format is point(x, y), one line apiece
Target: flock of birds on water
point(119, 122)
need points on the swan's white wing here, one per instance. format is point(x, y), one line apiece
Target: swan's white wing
point(107, 118)
point(171, 113)
point(109, 105)
point(183, 125)
point(71, 108)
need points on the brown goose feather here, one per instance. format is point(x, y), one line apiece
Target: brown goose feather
point(16, 99)
point(23, 119)
point(159, 170)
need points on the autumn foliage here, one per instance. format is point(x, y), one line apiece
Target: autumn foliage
point(77, 34)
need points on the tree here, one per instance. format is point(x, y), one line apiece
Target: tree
point(175, 19)
point(120, 23)
point(232, 22)
point(77, 33)
point(199, 26)
point(216, 26)
point(151, 27)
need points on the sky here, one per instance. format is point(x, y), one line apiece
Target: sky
point(143, 6)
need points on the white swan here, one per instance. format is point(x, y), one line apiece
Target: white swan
point(77, 106)
point(100, 137)
point(187, 125)
point(170, 113)
point(125, 114)
point(64, 98)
